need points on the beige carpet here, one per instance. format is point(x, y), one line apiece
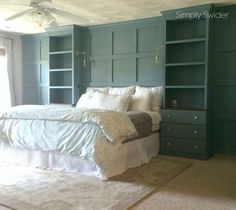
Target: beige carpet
point(25, 188)
point(207, 185)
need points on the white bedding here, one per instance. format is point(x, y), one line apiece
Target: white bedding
point(131, 154)
point(91, 138)
point(92, 135)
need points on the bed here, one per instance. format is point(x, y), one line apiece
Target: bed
point(90, 141)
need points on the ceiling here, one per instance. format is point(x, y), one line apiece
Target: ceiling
point(96, 11)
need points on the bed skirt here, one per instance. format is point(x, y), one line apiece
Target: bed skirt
point(131, 154)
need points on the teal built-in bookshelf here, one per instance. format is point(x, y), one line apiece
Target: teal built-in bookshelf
point(193, 59)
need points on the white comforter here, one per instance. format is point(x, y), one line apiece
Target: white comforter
point(93, 135)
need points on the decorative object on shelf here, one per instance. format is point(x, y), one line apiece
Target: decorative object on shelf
point(174, 103)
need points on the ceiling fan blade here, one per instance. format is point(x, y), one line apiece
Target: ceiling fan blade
point(19, 14)
point(14, 4)
point(53, 24)
point(33, 2)
point(68, 14)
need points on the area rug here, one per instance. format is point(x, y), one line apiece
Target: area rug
point(24, 188)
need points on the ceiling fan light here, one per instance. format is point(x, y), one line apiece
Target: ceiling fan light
point(42, 18)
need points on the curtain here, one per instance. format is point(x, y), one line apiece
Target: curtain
point(7, 95)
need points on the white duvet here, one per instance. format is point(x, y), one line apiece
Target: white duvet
point(93, 135)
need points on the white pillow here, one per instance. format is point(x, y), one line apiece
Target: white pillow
point(122, 91)
point(156, 93)
point(91, 90)
point(84, 101)
point(99, 100)
point(141, 102)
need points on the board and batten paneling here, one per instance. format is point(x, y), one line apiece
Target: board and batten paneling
point(127, 53)
point(35, 69)
point(123, 54)
point(224, 98)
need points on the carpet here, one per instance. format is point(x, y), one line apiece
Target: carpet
point(25, 188)
point(207, 185)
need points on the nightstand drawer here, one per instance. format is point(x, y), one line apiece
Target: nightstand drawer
point(183, 147)
point(183, 116)
point(183, 131)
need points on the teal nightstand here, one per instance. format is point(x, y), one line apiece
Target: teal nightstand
point(185, 133)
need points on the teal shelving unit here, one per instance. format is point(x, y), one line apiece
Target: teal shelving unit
point(186, 90)
point(186, 61)
point(64, 65)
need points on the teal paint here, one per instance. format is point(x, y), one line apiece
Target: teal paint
point(123, 54)
point(35, 69)
point(224, 83)
point(184, 127)
point(185, 133)
point(186, 59)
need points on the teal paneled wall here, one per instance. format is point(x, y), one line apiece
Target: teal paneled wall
point(35, 69)
point(125, 53)
point(35, 62)
point(224, 94)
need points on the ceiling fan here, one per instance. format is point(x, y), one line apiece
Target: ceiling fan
point(42, 13)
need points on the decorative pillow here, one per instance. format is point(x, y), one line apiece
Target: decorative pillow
point(103, 101)
point(91, 90)
point(122, 91)
point(156, 93)
point(112, 102)
point(140, 102)
point(84, 101)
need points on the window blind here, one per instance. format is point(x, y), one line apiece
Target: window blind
point(2, 52)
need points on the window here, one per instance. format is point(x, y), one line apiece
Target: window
point(5, 99)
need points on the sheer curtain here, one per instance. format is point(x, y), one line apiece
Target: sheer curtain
point(7, 96)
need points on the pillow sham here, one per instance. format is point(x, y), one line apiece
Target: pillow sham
point(103, 101)
point(156, 94)
point(91, 90)
point(122, 91)
point(141, 102)
point(112, 102)
point(84, 101)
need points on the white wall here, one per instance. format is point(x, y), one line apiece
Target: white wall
point(17, 64)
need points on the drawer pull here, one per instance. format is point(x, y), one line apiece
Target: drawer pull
point(168, 144)
point(195, 132)
point(195, 147)
point(195, 117)
point(168, 116)
point(168, 129)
